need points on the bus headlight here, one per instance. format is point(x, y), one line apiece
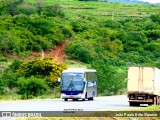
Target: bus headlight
point(80, 95)
point(62, 94)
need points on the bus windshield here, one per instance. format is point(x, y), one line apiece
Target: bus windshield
point(72, 82)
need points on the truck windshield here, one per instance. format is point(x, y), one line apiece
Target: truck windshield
point(72, 82)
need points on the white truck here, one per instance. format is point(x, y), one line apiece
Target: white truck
point(143, 86)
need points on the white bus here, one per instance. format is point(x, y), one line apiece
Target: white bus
point(79, 83)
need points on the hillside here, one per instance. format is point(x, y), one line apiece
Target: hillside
point(108, 37)
point(57, 54)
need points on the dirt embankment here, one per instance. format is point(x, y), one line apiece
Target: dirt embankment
point(56, 53)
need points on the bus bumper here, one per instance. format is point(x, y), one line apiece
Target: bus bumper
point(79, 96)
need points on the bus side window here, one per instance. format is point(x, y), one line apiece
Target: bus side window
point(90, 84)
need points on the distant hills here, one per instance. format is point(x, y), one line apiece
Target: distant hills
point(132, 2)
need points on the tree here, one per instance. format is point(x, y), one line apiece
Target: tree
point(40, 4)
point(31, 87)
point(26, 9)
point(53, 11)
point(9, 77)
point(110, 81)
point(79, 52)
point(1, 86)
point(155, 17)
point(11, 6)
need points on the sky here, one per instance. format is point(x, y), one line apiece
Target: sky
point(151, 1)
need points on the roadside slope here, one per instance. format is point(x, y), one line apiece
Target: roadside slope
point(58, 53)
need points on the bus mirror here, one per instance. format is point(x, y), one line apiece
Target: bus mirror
point(59, 80)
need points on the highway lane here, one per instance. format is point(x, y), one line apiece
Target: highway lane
point(107, 103)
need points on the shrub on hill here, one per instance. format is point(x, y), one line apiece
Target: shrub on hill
point(31, 87)
point(110, 81)
point(9, 77)
point(1, 87)
point(23, 33)
point(46, 68)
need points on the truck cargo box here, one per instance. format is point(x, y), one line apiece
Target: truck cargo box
point(143, 80)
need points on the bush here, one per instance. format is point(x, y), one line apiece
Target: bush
point(155, 17)
point(3, 60)
point(23, 32)
point(6, 42)
point(31, 87)
point(12, 6)
point(67, 30)
point(9, 77)
point(80, 25)
point(53, 11)
point(1, 86)
point(110, 81)
point(26, 9)
point(46, 68)
point(15, 65)
point(79, 52)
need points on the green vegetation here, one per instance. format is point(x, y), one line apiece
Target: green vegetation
point(31, 27)
point(30, 79)
point(31, 87)
point(110, 80)
point(117, 43)
point(105, 36)
point(46, 68)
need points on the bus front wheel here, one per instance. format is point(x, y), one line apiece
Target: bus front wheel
point(90, 98)
point(65, 99)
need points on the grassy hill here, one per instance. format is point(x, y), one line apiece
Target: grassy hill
point(104, 10)
point(108, 37)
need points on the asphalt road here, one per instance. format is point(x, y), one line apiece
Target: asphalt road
point(110, 103)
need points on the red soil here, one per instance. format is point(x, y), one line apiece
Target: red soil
point(57, 54)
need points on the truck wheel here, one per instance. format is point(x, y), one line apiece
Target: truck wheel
point(150, 103)
point(65, 99)
point(138, 104)
point(92, 98)
point(131, 104)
